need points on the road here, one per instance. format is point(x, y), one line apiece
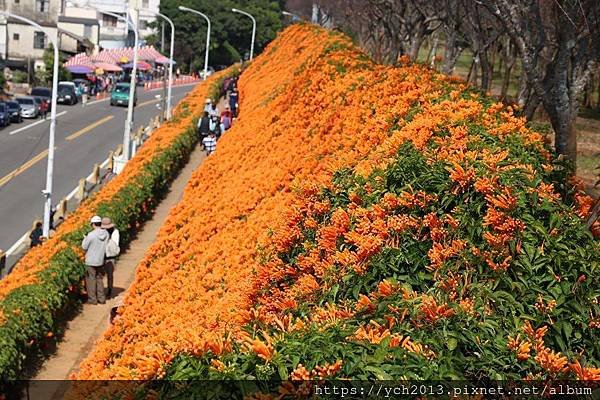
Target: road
point(84, 137)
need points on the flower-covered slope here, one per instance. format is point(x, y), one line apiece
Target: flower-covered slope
point(369, 222)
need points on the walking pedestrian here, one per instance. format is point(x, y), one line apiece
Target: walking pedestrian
point(226, 118)
point(210, 143)
point(215, 126)
point(84, 95)
point(233, 101)
point(112, 252)
point(214, 111)
point(44, 105)
point(36, 235)
point(208, 105)
point(204, 125)
point(94, 245)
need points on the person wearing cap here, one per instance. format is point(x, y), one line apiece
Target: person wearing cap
point(112, 251)
point(94, 244)
point(208, 105)
point(214, 111)
point(226, 118)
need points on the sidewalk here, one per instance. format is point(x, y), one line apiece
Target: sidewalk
point(83, 331)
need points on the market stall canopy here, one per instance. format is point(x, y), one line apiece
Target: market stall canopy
point(108, 67)
point(118, 56)
point(141, 65)
point(163, 60)
point(80, 69)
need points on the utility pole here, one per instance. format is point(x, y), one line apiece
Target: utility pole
point(162, 37)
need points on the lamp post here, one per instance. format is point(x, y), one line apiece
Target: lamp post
point(50, 168)
point(235, 10)
point(289, 14)
point(182, 8)
point(170, 55)
point(132, 84)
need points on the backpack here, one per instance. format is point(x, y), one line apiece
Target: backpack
point(112, 248)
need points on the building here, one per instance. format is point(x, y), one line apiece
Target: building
point(112, 30)
point(79, 28)
point(22, 44)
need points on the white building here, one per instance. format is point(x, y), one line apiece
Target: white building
point(80, 29)
point(22, 44)
point(112, 30)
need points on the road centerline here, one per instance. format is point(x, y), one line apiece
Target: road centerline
point(17, 171)
point(89, 128)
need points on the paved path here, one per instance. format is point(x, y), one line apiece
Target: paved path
point(83, 331)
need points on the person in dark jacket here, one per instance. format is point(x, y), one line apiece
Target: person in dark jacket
point(36, 235)
point(204, 125)
point(233, 102)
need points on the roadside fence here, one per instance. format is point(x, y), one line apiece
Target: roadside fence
point(99, 176)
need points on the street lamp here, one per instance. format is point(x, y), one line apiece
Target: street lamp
point(235, 10)
point(182, 8)
point(289, 14)
point(132, 84)
point(49, 171)
point(170, 56)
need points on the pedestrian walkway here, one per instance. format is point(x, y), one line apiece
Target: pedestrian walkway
point(83, 331)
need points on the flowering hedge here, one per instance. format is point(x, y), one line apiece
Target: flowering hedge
point(46, 282)
point(423, 234)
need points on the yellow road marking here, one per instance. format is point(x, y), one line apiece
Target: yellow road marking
point(89, 128)
point(147, 102)
point(23, 168)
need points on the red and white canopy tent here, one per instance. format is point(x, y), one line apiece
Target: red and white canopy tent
point(109, 59)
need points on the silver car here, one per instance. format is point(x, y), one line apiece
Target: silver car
point(29, 108)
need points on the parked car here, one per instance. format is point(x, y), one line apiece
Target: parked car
point(120, 95)
point(15, 111)
point(66, 94)
point(4, 115)
point(43, 92)
point(29, 107)
point(73, 86)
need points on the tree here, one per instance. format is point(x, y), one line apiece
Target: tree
point(558, 42)
point(230, 32)
point(48, 57)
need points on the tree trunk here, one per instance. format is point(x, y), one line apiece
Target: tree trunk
point(433, 51)
point(451, 53)
point(531, 106)
point(587, 95)
point(565, 134)
point(472, 75)
point(598, 99)
point(524, 90)
point(416, 41)
point(506, 80)
point(487, 72)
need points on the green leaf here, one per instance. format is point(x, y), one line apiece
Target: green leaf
point(451, 344)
